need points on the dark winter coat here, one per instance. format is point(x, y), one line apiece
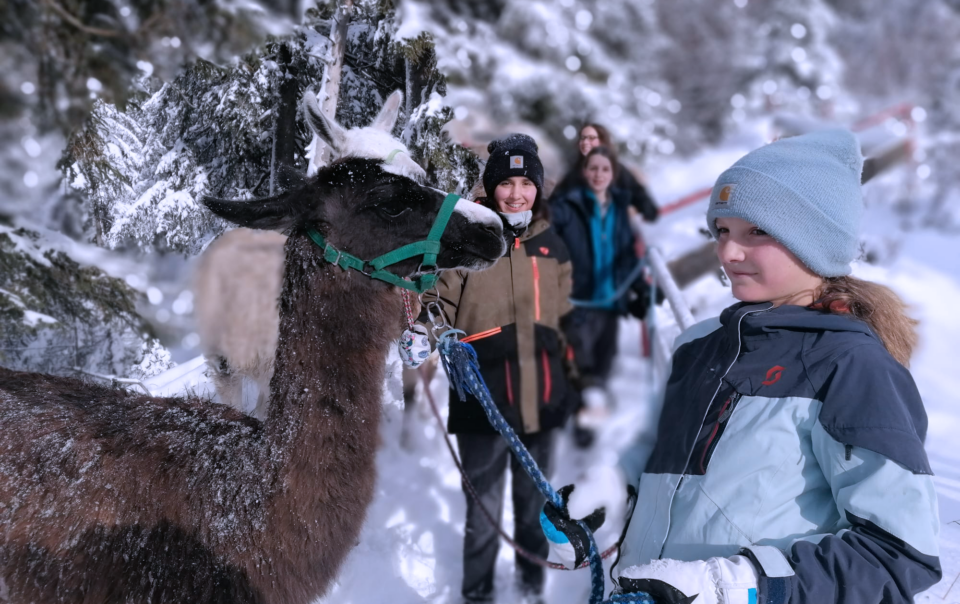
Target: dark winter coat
point(511, 314)
point(570, 214)
point(793, 437)
point(639, 198)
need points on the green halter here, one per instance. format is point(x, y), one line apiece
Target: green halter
point(428, 248)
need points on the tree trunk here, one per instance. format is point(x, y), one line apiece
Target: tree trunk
point(334, 71)
point(285, 129)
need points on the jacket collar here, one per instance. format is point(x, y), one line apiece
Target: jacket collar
point(536, 227)
point(761, 319)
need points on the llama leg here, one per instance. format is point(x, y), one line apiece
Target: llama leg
point(229, 389)
point(410, 379)
point(263, 397)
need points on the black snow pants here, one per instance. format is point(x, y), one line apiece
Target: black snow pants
point(597, 332)
point(484, 458)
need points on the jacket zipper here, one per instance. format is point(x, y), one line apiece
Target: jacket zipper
point(725, 412)
point(506, 363)
point(546, 377)
point(536, 289)
point(719, 384)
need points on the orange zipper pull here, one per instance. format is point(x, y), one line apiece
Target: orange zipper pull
point(516, 243)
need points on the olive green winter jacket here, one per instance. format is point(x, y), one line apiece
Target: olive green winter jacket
point(511, 314)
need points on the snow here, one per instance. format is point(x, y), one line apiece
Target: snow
point(26, 247)
point(32, 318)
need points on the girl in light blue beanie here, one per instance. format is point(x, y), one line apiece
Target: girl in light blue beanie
point(787, 465)
point(787, 217)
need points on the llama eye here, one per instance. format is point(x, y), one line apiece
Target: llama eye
point(392, 210)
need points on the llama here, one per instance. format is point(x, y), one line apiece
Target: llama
point(236, 289)
point(237, 280)
point(112, 496)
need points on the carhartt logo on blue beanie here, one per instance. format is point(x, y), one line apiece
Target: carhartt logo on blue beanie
point(805, 192)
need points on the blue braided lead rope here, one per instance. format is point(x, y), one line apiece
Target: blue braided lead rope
point(463, 370)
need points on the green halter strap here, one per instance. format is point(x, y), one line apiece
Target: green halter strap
point(428, 248)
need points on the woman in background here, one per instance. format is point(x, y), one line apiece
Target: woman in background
point(594, 135)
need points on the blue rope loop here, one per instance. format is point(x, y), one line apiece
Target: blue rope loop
point(463, 370)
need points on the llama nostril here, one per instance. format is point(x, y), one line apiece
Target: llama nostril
point(495, 230)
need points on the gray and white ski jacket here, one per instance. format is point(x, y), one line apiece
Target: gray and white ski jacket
point(793, 437)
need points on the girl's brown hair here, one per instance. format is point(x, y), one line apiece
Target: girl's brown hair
point(603, 151)
point(876, 305)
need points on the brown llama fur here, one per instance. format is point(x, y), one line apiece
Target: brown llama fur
point(107, 496)
point(326, 450)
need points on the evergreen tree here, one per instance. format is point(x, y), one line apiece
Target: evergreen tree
point(58, 59)
point(57, 315)
point(216, 129)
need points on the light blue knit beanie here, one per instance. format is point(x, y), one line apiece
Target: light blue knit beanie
point(804, 191)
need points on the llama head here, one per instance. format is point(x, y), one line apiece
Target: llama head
point(374, 141)
point(362, 208)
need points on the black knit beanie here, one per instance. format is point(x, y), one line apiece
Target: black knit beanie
point(513, 155)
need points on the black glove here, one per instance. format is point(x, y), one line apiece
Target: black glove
point(568, 541)
point(638, 298)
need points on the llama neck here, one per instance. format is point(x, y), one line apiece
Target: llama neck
point(327, 387)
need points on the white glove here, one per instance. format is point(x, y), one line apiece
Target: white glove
point(713, 581)
point(603, 487)
point(567, 540)
point(602, 494)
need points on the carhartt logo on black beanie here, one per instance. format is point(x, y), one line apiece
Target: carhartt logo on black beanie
point(512, 155)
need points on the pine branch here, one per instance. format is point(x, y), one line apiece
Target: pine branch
point(93, 31)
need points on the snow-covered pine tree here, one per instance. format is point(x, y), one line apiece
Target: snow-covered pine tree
point(914, 59)
point(59, 59)
point(211, 130)
point(746, 57)
point(56, 314)
point(556, 64)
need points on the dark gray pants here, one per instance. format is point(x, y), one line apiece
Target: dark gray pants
point(597, 331)
point(484, 458)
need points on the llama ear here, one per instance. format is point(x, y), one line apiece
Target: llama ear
point(387, 118)
point(327, 129)
point(276, 213)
